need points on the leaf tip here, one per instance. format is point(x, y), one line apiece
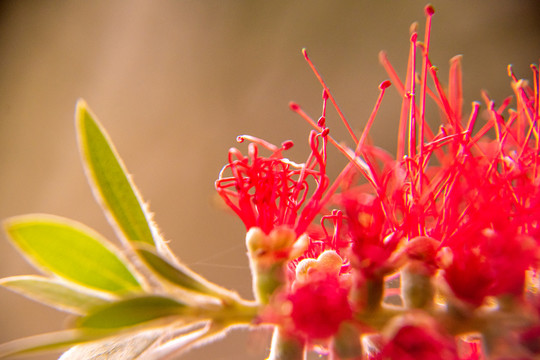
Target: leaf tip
point(10, 223)
point(81, 105)
point(81, 109)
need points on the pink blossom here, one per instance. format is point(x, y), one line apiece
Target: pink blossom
point(419, 343)
point(319, 306)
point(268, 192)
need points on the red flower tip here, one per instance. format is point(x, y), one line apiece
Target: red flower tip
point(293, 106)
point(385, 84)
point(304, 52)
point(429, 10)
point(414, 37)
point(325, 94)
point(286, 145)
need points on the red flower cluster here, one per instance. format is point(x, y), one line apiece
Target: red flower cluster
point(461, 201)
point(412, 342)
point(268, 192)
point(319, 306)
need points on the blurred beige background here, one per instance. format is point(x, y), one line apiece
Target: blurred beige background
point(174, 82)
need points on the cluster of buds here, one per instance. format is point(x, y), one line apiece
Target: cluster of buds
point(428, 254)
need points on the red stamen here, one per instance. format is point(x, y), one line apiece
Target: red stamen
point(325, 98)
point(297, 109)
point(443, 100)
point(536, 78)
point(383, 86)
point(355, 161)
point(472, 120)
point(429, 14)
point(329, 94)
point(524, 107)
point(286, 145)
point(455, 92)
point(405, 104)
point(411, 96)
point(255, 140)
point(337, 221)
point(511, 72)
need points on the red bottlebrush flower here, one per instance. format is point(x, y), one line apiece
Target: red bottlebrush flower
point(491, 208)
point(488, 263)
point(268, 192)
point(319, 283)
point(471, 198)
point(418, 339)
point(319, 294)
point(469, 275)
point(316, 300)
point(481, 197)
point(372, 242)
point(319, 305)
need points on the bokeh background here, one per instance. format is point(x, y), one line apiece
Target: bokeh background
point(175, 82)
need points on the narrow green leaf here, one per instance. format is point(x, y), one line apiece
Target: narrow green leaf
point(54, 293)
point(181, 276)
point(72, 251)
point(131, 312)
point(108, 177)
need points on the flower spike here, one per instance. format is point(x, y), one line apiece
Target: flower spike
point(431, 255)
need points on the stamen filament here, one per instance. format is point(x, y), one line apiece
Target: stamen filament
point(329, 94)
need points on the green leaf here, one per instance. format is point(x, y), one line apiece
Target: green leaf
point(108, 177)
point(71, 251)
point(181, 276)
point(54, 293)
point(131, 312)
